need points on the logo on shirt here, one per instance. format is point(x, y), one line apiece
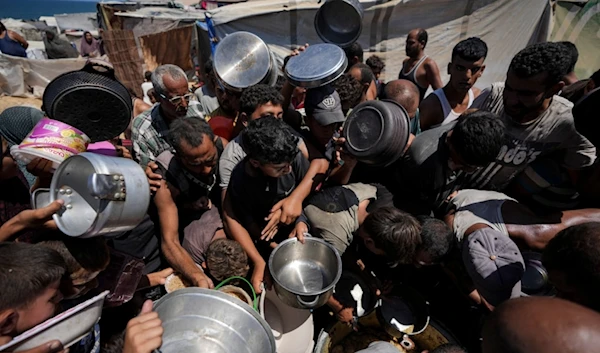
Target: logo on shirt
point(329, 102)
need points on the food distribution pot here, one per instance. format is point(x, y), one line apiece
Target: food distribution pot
point(339, 21)
point(316, 66)
point(305, 274)
point(101, 195)
point(197, 320)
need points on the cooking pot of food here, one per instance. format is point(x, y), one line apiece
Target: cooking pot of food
point(403, 313)
point(91, 100)
point(377, 132)
point(305, 274)
point(316, 66)
point(339, 21)
point(197, 320)
point(535, 279)
point(101, 195)
point(242, 60)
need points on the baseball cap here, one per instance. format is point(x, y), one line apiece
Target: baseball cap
point(324, 104)
point(495, 264)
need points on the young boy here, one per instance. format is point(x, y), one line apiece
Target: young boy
point(30, 277)
point(225, 258)
point(271, 171)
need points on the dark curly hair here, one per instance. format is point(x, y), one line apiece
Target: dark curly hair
point(574, 54)
point(551, 58)
point(366, 74)
point(226, 258)
point(191, 130)
point(477, 137)
point(437, 239)
point(354, 50)
point(575, 252)
point(375, 63)
point(470, 49)
point(350, 91)
point(270, 141)
point(257, 95)
point(396, 232)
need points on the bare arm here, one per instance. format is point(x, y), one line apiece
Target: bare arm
point(171, 246)
point(430, 112)
point(236, 231)
point(17, 37)
point(433, 74)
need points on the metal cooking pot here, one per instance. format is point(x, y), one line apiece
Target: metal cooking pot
point(305, 274)
point(535, 279)
point(317, 66)
point(377, 132)
point(101, 195)
point(197, 320)
point(91, 100)
point(403, 308)
point(339, 22)
point(242, 60)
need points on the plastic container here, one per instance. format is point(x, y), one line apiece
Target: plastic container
point(52, 140)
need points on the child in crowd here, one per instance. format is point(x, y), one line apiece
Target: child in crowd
point(270, 172)
point(30, 277)
point(225, 258)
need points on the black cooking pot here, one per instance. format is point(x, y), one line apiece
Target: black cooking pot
point(404, 306)
point(535, 279)
point(377, 132)
point(91, 100)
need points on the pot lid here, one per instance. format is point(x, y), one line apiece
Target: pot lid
point(318, 65)
point(242, 60)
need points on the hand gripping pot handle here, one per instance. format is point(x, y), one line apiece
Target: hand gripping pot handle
point(310, 304)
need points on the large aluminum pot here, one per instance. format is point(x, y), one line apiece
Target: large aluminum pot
point(199, 320)
point(305, 274)
point(339, 21)
point(318, 65)
point(101, 195)
point(242, 60)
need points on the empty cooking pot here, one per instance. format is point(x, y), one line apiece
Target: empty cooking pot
point(316, 66)
point(197, 320)
point(305, 274)
point(377, 132)
point(101, 195)
point(90, 99)
point(339, 21)
point(242, 60)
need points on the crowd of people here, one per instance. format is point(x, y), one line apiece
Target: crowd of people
point(55, 46)
point(487, 176)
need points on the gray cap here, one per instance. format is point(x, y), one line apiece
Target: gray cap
point(495, 264)
point(324, 104)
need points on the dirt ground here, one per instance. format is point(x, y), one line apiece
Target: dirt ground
point(7, 102)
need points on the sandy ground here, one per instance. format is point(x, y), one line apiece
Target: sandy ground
point(7, 102)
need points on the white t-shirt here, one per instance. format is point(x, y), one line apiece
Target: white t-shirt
point(147, 86)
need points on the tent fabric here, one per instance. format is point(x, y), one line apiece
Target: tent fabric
point(19, 75)
point(158, 48)
point(580, 25)
point(506, 26)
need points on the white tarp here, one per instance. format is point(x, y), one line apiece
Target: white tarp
point(505, 25)
point(19, 75)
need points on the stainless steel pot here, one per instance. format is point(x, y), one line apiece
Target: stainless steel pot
point(339, 21)
point(305, 274)
point(199, 320)
point(242, 60)
point(535, 279)
point(317, 66)
point(101, 195)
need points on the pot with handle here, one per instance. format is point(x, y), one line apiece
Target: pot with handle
point(91, 100)
point(377, 132)
point(305, 275)
point(101, 195)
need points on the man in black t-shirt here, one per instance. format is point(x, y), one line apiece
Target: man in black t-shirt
point(272, 169)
